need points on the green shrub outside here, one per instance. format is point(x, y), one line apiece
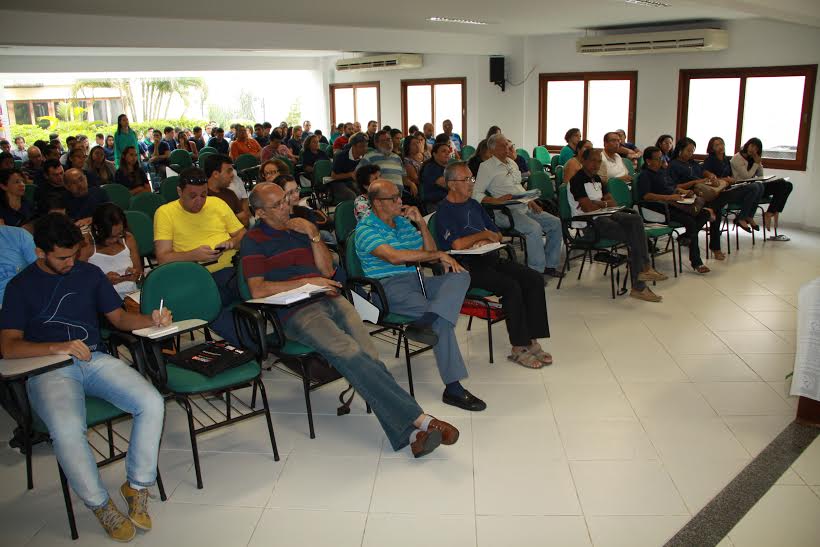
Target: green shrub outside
point(65, 129)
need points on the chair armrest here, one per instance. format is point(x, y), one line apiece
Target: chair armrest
point(375, 286)
point(250, 326)
point(645, 202)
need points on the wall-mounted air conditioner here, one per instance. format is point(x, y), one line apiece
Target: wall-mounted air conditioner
point(677, 41)
point(393, 61)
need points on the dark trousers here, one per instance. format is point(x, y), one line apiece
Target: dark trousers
point(746, 197)
point(693, 224)
point(223, 325)
point(627, 227)
point(523, 299)
point(778, 191)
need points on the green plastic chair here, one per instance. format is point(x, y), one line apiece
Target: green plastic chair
point(180, 159)
point(559, 175)
point(208, 150)
point(322, 169)
point(31, 189)
point(325, 147)
point(620, 191)
point(554, 162)
point(247, 166)
point(18, 164)
point(147, 202)
point(202, 157)
point(190, 292)
point(629, 167)
point(344, 221)
point(535, 165)
point(583, 242)
point(541, 181)
point(142, 228)
point(542, 154)
point(118, 194)
point(467, 152)
point(168, 189)
point(523, 153)
point(289, 163)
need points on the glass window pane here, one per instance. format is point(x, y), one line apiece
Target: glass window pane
point(116, 110)
point(565, 109)
point(99, 111)
point(784, 95)
point(607, 108)
point(713, 111)
point(367, 105)
point(448, 107)
point(343, 105)
point(419, 105)
point(22, 113)
point(40, 110)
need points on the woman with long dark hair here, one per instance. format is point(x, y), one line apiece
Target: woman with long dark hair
point(573, 165)
point(113, 249)
point(97, 167)
point(665, 144)
point(123, 138)
point(130, 174)
point(15, 209)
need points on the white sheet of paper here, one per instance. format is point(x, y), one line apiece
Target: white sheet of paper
point(484, 249)
point(135, 296)
point(291, 296)
point(366, 310)
point(170, 172)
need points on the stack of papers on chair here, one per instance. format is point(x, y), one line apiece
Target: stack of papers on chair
point(156, 332)
point(289, 297)
point(604, 211)
point(135, 296)
point(534, 193)
point(484, 249)
point(756, 179)
point(687, 201)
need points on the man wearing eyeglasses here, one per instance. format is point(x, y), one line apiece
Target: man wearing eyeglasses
point(497, 182)
point(387, 245)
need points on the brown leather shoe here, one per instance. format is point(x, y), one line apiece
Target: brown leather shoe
point(426, 442)
point(449, 434)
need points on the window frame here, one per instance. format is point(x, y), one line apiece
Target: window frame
point(808, 71)
point(545, 78)
point(354, 86)
point(433, 82)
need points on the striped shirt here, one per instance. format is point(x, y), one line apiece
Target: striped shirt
point(390, 164)
point(372, 232)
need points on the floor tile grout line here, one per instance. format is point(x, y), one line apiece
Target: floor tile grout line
point(372, 492)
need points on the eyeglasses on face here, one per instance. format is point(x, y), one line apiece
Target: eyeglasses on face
point(468, 179)
point(394, 199)
point(277, 205)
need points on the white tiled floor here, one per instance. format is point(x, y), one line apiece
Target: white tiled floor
point(648, 412)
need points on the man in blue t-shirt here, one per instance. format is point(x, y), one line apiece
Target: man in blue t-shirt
point(344, 169)
point(387, 245)
point(219, 141)
point(52, 308)
point(16, 252)
point(462, 223)
point(83, 200)
point(432, 176)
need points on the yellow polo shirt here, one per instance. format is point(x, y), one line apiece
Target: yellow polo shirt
point(186, 231)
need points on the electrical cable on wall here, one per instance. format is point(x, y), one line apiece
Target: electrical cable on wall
point(527, 77)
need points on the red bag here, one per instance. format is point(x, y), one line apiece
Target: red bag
point(477, 308)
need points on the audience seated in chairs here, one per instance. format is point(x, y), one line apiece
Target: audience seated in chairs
point(462, 223)
point(612, 164)
point(33, 167)
point(364, 178)
point(343, 186)
point(454, 138)
point(482, 154)
point(627, 149)
point(282, 253)
point(718, 165)
point(113, 249)
point(575, 163)
point(390, 164)
point(218, 141)
point(158, 155)
point(500, 178)
point(748, 164)
point(665, 144)
point(386, 243)
point(655, 185)
point(220, 172)
point(100, 169)
point(59, 284)
point(130, 174)
point(344, 139)
point(573, 137)
point(198, 228)
point(16, 252)
point(413, 157)
point(587, 193)
point(315, 216)
point(82, 200)
point(434, 188)
point(311, 154)
point(15, 209)
point(243, 144)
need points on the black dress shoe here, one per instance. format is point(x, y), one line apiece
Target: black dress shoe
point(467, 401)
point(425, 335)
point(552, 272)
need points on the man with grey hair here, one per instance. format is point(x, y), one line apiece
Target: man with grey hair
point(497, 182)
point(390, 164)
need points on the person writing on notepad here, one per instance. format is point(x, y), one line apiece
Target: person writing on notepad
point(52, 307)
point(282, 253)
point(462, 223)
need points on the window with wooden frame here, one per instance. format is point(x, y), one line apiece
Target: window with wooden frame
point(594, 102)
point(355, 102)
point(771, 103)
point(433, 101)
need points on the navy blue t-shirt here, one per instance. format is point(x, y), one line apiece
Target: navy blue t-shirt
point(58, 308)
point(717, 167)
point(163, 148)
point(172, 144)
point(684, 171)
point(19, 217)
point(309, 158)
point(343, 164)
point(221, 146)
point(457, 220)
point(430, 172)
point(84, 207)
point(655, 182)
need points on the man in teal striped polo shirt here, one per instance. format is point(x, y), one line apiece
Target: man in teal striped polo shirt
point(386, 242)
point(389, 163)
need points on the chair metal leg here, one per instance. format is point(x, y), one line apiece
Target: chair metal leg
point(409, 368)
point(490, 333)
point(470, 323)
point(228, 405)
point(109, 429)
point(69, 509)
point(253, 396)
point(398, 343)
point(268, 418)
point(161, 487)
point(584, 259)
point(195, 452)
point(306, 387)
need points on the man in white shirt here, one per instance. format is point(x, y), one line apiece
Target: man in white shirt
point(499, 177)
point(612, 164)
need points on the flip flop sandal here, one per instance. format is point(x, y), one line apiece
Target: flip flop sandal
point(526, 360)
point(702, 269)
point(541, 355)
point(780, 237)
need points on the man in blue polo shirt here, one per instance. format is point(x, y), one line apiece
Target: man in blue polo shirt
point(344, 167)
point(386, 242)
point(390, 163)
point(219, 141)
point(282, 253)
point(16, 252)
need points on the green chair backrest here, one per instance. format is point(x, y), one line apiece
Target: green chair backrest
point(344, 220)
point(559, 175)
point(636, 191)
point(31, 189)
point(242, 283)
point(119, 194)
point(352, 262)
point(168, 189)
point(620, 191)
point(147, 202)
point(523, 153)
point(208, 150)
point(202, 157)
point(629, 166)
point(181, 158)
point(640, 163)
point(245, 161)
point(18, 164)
point(289, 164)
point(563, 203)
point(186, 288)
point(324, 147)
point(142, 228)
point(541, 181)
point(467, 152)
point(542, 154)
point(321, 169)
point(554, 162)
point(535, 165)
point(432, 225)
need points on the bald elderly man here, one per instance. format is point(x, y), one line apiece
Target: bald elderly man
point(83, 200)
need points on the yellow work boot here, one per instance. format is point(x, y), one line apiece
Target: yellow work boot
point(137, 501)
point(115, 524)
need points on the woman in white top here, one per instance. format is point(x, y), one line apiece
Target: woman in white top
point(748, 164)
point(113, 249)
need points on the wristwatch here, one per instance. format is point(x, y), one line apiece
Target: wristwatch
point(316, 239)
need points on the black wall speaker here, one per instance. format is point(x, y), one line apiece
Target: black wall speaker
point(497, 71)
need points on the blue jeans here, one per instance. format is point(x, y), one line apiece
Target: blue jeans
point(58, 398)
point(333, 328)
point(540, 254)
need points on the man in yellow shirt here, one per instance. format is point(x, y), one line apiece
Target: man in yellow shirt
point(198, 228)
